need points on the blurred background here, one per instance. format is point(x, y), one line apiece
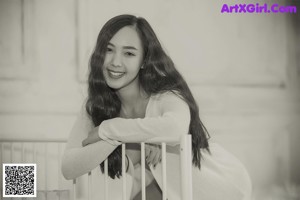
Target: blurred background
point(243, 69)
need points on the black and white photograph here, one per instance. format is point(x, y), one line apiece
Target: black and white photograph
point(149, 100)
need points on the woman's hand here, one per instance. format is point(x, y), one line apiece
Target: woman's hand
point(93, 137)
point(153, 154)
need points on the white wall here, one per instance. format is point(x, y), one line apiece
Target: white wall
point(239, 66)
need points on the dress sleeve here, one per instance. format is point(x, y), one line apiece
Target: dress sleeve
point(78, 160)
point(172, 121)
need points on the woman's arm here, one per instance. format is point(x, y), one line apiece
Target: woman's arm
point(172, 122)
point(78, 160)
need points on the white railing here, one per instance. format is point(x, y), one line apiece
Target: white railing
point(186, 170)
point(43, 153)
point(185, 166)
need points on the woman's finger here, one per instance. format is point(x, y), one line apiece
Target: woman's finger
point(93, 137)
point(154, 155)
point(150, 156)
point(156, 158)
point(147, 150)
point(86, 142)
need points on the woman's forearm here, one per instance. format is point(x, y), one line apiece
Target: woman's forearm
point(170, 119)
point(81, 160)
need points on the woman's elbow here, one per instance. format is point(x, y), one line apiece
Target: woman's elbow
point(179, 132)
point(66, 174)
point(180, 127)
point(66, 169)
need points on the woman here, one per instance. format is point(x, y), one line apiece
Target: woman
point(136, 94)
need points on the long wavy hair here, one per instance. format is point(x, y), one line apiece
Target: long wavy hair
point(157, 76)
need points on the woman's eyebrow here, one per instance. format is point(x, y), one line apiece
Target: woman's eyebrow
point(125, 47)
point(129, 47)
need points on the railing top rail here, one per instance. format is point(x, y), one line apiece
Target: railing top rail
point(61, 140)
point(14, 140)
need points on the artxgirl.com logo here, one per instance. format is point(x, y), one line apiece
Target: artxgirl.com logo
point(257, 8)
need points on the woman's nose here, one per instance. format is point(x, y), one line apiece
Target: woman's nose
point(116, 60)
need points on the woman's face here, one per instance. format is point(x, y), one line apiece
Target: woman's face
point(123, 59)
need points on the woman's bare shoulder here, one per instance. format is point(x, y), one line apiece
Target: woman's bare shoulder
point(168, 97)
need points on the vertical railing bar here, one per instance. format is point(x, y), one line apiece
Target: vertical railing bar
point(46, 163)
point(74, 189)
point(143, 171)
point(1, 162)
point(58, 169)
point(11, 152)
point(58, 194)
point(23, 152)
point(34, 152)
point(186, 164)
point(59, 165)
point(164, 171)
point(22, 156)
point(35, 161)
point(189, 151)
point(106, 179)
point(2, 152)
point(89, 185)
point(183, 161)
point(124, 170)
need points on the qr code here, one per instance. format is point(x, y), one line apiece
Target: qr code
point(19, 180)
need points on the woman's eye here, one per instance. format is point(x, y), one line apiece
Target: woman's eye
point(108, 49)
point(129, 54)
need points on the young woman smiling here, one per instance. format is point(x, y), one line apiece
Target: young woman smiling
point(135, 93)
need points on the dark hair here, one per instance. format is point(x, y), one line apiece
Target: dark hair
point(157, 76)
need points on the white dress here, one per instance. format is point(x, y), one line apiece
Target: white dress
point(222, 176)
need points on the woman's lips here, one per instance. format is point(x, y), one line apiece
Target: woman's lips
point(115, 74)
